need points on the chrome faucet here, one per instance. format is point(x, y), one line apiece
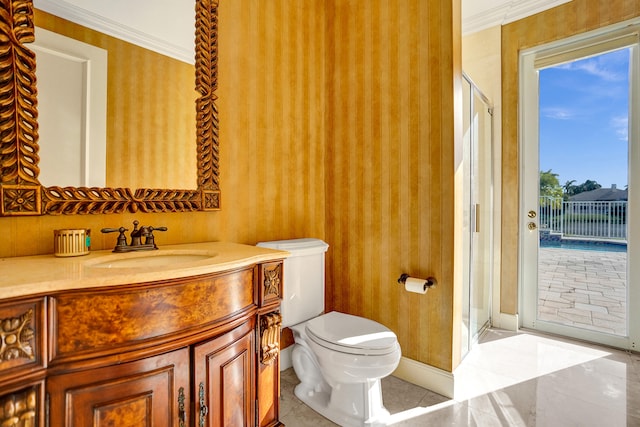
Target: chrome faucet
point(137, 234)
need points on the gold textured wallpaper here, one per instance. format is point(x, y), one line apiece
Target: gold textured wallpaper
point(336, 122)
point(390, 167)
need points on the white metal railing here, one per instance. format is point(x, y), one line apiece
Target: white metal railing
point(606, 220)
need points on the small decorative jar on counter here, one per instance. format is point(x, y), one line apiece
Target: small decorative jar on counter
point(71, 242)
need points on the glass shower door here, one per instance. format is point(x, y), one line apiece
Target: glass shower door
point(477, 173)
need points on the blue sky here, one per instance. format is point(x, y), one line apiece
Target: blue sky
point(584, 119)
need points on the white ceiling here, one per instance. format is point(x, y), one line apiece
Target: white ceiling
point(481, 14)
point(167, 26)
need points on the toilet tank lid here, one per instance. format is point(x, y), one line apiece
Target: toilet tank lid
point(297, 247)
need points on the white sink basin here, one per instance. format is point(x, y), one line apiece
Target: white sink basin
point(149, 259)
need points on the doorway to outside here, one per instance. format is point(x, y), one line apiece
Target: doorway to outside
point(578, 172)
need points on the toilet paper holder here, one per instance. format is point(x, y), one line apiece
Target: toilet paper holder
point(428, 282)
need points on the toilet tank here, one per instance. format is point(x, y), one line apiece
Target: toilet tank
point(303, 296)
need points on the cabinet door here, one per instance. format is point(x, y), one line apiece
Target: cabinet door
point(223, 372)
point(151, 392)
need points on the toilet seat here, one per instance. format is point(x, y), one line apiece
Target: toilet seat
point(351, 334)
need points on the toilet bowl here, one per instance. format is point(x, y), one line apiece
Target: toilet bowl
point(340, 360)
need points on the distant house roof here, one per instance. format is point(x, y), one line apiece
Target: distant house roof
point(601, 195)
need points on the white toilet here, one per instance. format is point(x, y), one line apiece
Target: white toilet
point(339, 358)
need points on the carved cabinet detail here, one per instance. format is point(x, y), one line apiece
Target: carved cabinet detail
point(22, 337)
point(268, 370)
point(270, 326)
point(17, 337)
point(20, 409)
point(270, 283)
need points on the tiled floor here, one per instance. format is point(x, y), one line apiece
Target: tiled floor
point(510, 379)
point(586, 289)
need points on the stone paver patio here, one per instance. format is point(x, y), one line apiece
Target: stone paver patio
point(585, 289)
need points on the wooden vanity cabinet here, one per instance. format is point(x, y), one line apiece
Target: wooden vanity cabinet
point(195, 351)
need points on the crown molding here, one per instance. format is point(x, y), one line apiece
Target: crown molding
point(508, 11)
point(89, 19)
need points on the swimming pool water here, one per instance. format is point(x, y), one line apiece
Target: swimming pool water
point(585, 245)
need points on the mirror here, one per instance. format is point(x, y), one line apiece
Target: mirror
point(20, 190)
point(94, 91)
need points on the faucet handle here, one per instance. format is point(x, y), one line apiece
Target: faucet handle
point(149, 238)
point(112, 230)
point(122, 239)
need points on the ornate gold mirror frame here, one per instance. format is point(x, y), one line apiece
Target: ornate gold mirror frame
point(20, 190)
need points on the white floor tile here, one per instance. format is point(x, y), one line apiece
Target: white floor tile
point(510, 379)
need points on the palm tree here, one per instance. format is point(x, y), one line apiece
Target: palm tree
point(569, 189)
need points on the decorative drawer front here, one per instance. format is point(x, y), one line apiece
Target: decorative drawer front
point(103, 322)
point(270, 283)
point(22, 334)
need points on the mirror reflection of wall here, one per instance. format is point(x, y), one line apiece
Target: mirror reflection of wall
point(72, 101)
point(150, 128)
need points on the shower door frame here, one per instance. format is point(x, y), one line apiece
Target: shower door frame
point(477, 210)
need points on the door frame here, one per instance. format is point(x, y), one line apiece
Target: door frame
point(529, 167)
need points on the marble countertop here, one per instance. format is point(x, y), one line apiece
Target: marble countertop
point(45, 274)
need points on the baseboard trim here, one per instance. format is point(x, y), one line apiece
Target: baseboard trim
point(420, 374)
point(285, 358)
point(508, 322)
point(425, 376)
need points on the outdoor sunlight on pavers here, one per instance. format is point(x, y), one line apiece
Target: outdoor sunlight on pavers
point(582, 288)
